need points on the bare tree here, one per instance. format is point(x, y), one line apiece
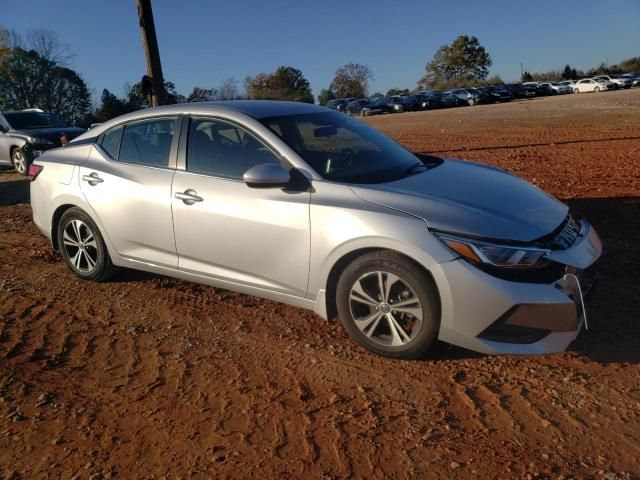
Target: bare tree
point(229, 90)
point(47, 44)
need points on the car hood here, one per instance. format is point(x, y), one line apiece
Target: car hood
point(471, 199)
point(52, 133)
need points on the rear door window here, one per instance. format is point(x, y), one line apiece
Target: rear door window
point(148, 142)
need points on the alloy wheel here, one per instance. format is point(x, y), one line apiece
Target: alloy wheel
point(20, 162)
point(385, 308)
point(80, 246)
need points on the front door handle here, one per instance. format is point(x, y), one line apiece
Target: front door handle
point(93, 179)
point(189, 197)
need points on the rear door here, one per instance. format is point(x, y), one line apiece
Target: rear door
point(127, 181)
point(257, 237)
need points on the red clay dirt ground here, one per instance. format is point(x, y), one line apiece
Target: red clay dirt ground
point(150, 377)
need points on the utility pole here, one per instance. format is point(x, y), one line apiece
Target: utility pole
point(150, 44)
point(521, 70)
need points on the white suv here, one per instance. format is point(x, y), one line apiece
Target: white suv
point(618, 80)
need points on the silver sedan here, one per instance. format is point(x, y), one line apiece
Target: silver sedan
point(306, 206)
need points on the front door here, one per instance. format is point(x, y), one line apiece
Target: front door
point(228, 231)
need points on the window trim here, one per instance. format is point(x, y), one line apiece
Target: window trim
point(184, 138)
point(173, 151)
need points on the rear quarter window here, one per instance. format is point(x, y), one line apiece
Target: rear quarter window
point(111, 142)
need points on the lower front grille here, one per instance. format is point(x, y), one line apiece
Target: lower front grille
point(504, 332)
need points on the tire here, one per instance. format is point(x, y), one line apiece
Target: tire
point(596, 90)
point(471, 102)
point(76, 227)
point(370, 319)
point(20, 161)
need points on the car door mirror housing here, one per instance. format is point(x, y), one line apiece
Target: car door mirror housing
point(266, 175)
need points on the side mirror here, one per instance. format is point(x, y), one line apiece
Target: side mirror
point(266, 175)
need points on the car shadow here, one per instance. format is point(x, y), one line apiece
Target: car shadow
point(127, 275)
point(14, 191)
point(613, 309)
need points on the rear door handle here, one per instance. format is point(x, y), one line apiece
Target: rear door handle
point(93, 179)
point(189, 197)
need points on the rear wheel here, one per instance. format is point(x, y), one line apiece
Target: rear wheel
point(388, 305)
point(20, 161)
point(82, 246)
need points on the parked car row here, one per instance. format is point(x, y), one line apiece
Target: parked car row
point(432, 99)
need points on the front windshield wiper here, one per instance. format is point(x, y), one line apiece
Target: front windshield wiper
point(413, 168)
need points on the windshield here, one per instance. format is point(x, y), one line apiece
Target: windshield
point(30, 120)
point(342, 149)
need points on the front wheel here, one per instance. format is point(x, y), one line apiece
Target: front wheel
point(388, 305)
point(82, 246)
point(20, 161)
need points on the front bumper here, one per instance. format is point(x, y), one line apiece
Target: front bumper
point(541, 317)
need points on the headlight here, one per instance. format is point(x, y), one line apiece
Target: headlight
point(496, 255)
point(40, 141)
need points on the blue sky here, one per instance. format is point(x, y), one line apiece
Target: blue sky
point(204, 42)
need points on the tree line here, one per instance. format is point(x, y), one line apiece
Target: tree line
point(35, 72)
point(571, 73)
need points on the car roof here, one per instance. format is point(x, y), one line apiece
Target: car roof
point(266, 108)
point(253, 108)
point(256, 109)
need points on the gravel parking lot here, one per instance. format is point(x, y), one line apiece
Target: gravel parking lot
point(150, 377)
